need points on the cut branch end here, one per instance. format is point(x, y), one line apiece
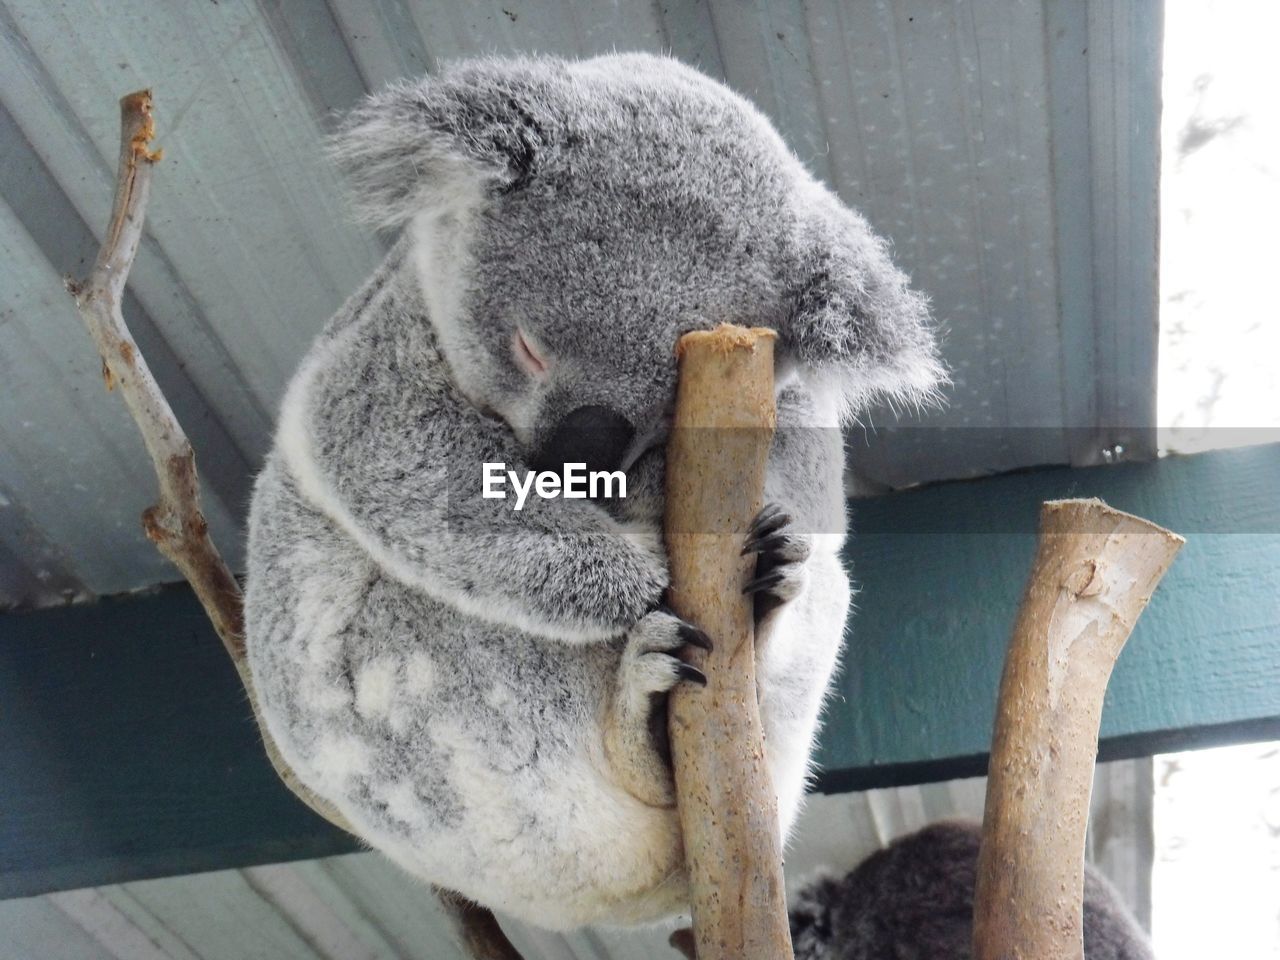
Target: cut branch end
point(1094, 571)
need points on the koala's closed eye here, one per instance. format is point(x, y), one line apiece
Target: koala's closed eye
point(528, 357)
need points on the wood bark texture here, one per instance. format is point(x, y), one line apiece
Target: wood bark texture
point(1094, 571)
point(175, 524)
point(716, 458)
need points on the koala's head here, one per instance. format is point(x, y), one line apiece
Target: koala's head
point(570, 220)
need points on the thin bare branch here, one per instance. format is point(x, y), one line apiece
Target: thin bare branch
point(175, 524)
point(476, 928)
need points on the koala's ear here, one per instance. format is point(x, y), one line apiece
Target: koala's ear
point(419, 144)
point(855, 322)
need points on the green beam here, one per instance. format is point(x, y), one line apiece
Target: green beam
point(127, 749)
point(941, 571)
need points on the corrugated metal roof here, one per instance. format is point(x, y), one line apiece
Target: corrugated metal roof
point(361, 907)
point(1008, 149)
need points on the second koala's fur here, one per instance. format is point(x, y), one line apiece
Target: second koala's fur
point(474, 687)
point(915, 899)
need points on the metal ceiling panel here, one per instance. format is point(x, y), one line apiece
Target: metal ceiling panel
point(74, 463)
point(1007, 147)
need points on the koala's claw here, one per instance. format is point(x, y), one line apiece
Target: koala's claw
point(694, 637)
point(767, 542)
point(780, 573)
point(689, 634)
point(653, 664)
point(763, 583)
point(687, 671)
point(769, 520)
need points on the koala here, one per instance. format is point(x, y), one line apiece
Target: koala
point(915, 899)
point(479, 690)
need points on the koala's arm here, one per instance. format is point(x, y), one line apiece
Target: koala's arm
point(377, 437)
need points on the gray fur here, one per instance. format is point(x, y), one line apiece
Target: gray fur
point(914, 900)
point(460, 679)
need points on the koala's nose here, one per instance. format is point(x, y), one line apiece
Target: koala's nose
point(593, 435)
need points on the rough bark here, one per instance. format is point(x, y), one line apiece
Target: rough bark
point(175, 524)
point(724, 420)
point(1094, 572)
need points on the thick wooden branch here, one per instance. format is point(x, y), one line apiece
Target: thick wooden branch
point(1094, 572)
point(724, 420)
point(175, 524)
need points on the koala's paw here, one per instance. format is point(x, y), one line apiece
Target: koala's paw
point(636, 741)
point(651, 663)
point(780, 557)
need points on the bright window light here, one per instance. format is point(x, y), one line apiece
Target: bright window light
point(1215, 884)
point(1220, 204)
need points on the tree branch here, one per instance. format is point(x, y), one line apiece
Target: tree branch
point(716, 458)
point(175, 524)
point(1093, 574)
point(475, 928)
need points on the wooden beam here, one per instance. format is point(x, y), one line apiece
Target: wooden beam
point(127, 749)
